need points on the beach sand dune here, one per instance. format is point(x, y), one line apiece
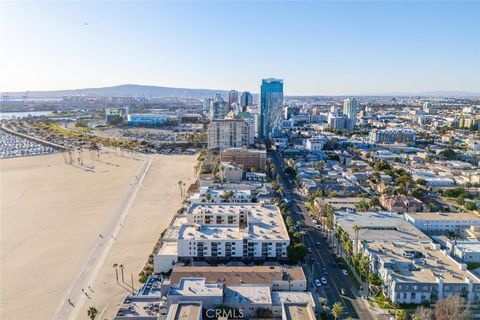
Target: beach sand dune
point(52, 215)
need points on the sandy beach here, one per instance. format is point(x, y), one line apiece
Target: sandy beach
point(51, 218)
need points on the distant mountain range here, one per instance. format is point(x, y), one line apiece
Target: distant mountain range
point(121, 90)
point(167, 92)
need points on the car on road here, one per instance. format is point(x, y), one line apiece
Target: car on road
point(318, 283)
point(342, 291)
point(317, 244)
point(345, 272)
point(324, 270)
point(312, 259)
point(309, 250)
point(323, 280)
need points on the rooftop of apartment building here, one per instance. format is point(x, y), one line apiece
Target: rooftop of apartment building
point(264, 223)
point(185, 311)
point(298, 311)
point(341, 202)
point(279, 297)
point(420, 262)
point(238, 275)
point(242, 149)
point(379, 226)
point(195, 287)
point(438, 216)
point(245, 294)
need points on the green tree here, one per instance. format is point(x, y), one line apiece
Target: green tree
point(381, 165)
point(374, 202)
point(362, 206)
point(401, 315)
point(470, 206)
point(422, 182)
point(296, 253)
point(337, 310)
point(449, 154)
point(92, 312)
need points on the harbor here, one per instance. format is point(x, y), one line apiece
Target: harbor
point(14, 146)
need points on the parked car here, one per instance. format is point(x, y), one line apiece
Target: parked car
point(342, 291)
point(323, 280)
point(309, 250)
point(318, 283)
point(318, 244)
point(345, 272)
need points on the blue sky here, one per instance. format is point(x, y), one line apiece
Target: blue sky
point(316, 47)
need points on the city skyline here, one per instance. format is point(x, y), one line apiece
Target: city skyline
point(324, 48)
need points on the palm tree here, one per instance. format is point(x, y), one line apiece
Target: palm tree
point(337, 310)
point(92, 312)
point(116, 271)
point(121, 269)
point(221, 173)
point(180, 183)
point(356, 229)
point(374, 202)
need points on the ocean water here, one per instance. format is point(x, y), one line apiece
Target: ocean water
point(11, 115)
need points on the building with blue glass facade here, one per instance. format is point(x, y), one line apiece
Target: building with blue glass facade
point(271, 108)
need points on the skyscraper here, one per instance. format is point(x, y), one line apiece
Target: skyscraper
point(271, 108)
point(350, 110)
point(246, 99)
point(218, 108)
point(232, 97)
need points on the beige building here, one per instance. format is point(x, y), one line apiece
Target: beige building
point(276, 277)
point(229, 172)
point(245, 158)
point(228, 133)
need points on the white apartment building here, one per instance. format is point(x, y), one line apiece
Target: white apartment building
point(228, 231)
point(212, 195)
point(315, 144)
point(228, 133)
point(442, 222)
point(390, 136)
point(465, 251)
point(247, 298)
point(414, 272)
point(230, 172)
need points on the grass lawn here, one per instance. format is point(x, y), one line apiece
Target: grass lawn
point(382, 302)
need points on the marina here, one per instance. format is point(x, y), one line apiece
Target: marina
point(13, 146)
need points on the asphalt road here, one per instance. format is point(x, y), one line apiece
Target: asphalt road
point(323, 256)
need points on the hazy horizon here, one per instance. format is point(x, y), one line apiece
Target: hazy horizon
point(318, 48)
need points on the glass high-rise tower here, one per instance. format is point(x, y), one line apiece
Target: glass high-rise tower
point(271, 108)
point(350, 110)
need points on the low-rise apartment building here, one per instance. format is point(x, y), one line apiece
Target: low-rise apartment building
point(214, 195)
point(401, 204)
point(414, 272)
point(233, 231)
point(245, 158)
point(442, 222)
point(278, 278)
point(377, 227)
point(247, 300)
